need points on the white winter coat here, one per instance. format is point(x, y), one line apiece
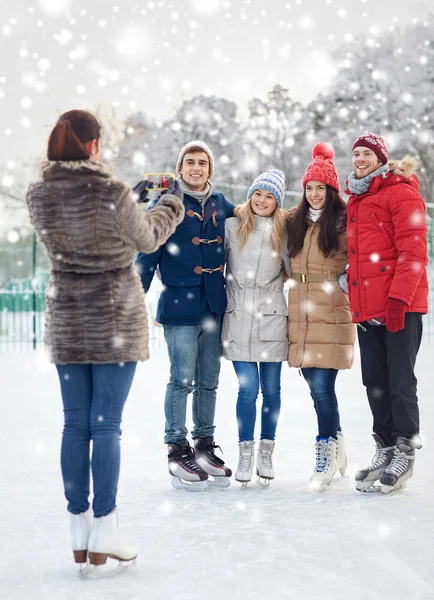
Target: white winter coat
point(255, 325)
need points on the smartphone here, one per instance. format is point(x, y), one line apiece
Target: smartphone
point(159, 181)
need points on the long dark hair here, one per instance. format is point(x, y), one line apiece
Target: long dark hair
point(70, 134)
point(333, 208)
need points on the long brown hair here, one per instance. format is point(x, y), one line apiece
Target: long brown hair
point(70, 134)
point(246, 224)
point(333, 208)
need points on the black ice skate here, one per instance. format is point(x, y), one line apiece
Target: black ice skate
point(400, 468)
point(366, 478)
point(186, 472)
point(204, 450)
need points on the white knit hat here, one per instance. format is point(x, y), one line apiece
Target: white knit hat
point(196, 144)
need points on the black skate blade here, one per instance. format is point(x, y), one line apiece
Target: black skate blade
point(107, 570)
point(188, 486)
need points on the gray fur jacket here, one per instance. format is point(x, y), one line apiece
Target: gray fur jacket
point(91, 227)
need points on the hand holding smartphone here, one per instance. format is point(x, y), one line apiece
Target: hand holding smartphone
point(159, 181)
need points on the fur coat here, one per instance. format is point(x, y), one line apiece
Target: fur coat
point(91, 226)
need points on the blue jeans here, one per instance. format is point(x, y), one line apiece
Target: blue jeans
point(249, 378)
point(322, 390)
point(194, 353)
point(93, 400)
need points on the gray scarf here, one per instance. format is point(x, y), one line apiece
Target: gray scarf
point(202, 196)
point(361, 186)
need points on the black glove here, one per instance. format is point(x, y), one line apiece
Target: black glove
point(174, 189)
point(141, 189)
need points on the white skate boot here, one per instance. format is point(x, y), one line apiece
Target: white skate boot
point(264, 462)
point(245, 462)
point(107, 541)
point(79, 527)
point(325, 463)
point(341, 455)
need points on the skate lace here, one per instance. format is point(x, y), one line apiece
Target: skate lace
point(266, 456)
point(321, 456)
point(209, 450)
point(188, 460)
point(399, 463)
point(380, 457)
point(244, 460)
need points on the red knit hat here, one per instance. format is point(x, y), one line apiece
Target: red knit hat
point(323, 167)
point(374, 142)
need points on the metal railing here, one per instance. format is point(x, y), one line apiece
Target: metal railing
point(24, 275)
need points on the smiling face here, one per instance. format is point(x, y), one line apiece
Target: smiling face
point(195, 170)
point(316, 194)
point(364, 162)
point(263, 203)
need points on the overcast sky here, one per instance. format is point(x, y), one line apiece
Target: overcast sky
point(150, 55)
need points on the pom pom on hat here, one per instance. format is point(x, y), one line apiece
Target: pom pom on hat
point(323, 149)
point(323, 167)
point(273, 181)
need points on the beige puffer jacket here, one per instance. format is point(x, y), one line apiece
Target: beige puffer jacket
point(321, 332)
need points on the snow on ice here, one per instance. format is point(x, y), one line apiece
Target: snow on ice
point(254, 544)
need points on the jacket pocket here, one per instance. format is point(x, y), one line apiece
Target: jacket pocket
point(383, 229)
point(229, 323)
point(273, 324)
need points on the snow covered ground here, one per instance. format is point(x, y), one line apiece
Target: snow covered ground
point(284, 542)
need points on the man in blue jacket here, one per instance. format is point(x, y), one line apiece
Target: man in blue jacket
point(190, 308)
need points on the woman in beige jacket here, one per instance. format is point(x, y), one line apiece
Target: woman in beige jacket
point(321, 332)
point(255, 325)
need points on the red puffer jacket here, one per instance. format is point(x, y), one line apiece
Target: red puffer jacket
point(387, 247)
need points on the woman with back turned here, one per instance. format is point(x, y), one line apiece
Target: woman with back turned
point(96, 323)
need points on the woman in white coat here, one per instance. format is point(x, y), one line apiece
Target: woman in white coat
point(255, 324)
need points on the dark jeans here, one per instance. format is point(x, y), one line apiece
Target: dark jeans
point(388, 361)
point(93, 400)
point(249, 378)
point(322, 389)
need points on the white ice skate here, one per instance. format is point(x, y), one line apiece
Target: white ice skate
point(264, 462)
point(341, 455)
point(325, 463)
point(107, 541)
point(245, 462)
point(80, 526)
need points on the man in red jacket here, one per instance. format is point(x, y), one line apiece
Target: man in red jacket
point(388, 292)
